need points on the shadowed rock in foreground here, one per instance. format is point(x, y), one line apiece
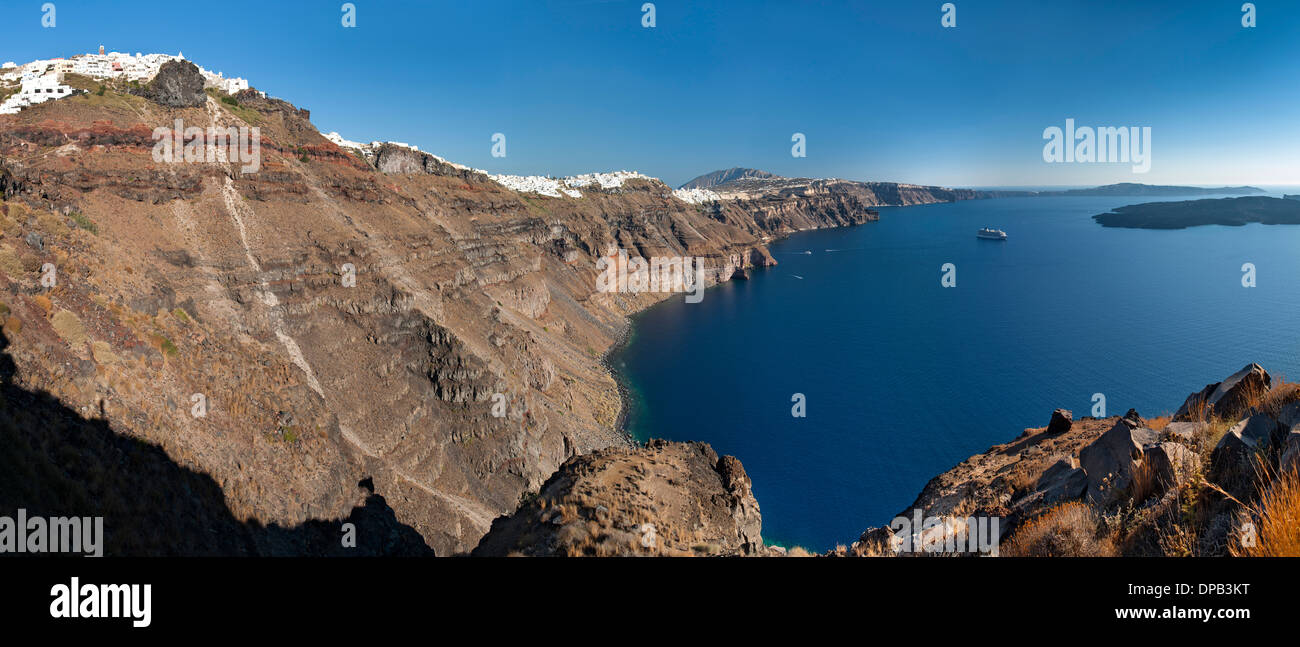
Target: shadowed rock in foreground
point(57, 463)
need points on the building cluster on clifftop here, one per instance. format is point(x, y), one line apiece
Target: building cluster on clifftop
point(42, 80)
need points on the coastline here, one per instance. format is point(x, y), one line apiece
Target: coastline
point(624, 335)
point(621, 340)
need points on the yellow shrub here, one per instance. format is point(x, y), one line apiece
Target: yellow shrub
point(1069, 530)
point(1277, 525)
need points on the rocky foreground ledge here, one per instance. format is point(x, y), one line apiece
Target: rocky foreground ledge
point(666, 499)
point(1210, 480)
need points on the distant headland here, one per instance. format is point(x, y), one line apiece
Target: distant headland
point(1232, 212)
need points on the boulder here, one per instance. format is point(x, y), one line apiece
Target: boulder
point(1235, 459)
point(1111, 460)
point(178, 84)
point(1229, 398)
point(1290, 460)
point(1289, 416)
point(1063, 481)
point(1061, 422)
point(1183, 432)
point(1173, 463)
point(876, 542)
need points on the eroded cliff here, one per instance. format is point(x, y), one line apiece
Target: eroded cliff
point(334, 318)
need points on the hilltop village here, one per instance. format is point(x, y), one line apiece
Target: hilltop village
point(29, 84)
point(43, 80)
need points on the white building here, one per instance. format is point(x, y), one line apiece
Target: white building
point(111, 65)
point(36, 89)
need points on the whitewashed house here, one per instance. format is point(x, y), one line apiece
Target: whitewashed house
point(37, 89)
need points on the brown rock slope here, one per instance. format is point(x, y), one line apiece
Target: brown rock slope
point(178, 286)
point(1150, 487)
point(665, 499)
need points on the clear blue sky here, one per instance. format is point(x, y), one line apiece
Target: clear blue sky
point(881, 89)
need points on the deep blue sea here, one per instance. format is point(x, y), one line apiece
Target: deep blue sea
point(904, 378)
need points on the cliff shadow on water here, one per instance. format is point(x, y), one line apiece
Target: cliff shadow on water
point(56, 463)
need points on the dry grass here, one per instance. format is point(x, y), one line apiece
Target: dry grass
point(70, 329)
point(1068, 530)
point(1145, 483)
point(1158, 423)
point(1199, 410)
point(10, 263)
point(1277, 519)
point(1282, 394)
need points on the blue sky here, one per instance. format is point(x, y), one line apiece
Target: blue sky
point(881, 90)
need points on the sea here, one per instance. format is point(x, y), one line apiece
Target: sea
point(899, 377)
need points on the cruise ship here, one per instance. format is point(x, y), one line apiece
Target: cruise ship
point(991, 234)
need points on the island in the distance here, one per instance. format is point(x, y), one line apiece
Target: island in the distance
point(1132, 188)
point(1233, 212)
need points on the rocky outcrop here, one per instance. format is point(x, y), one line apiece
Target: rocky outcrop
point(1112, 460)
point(178, 84)
point(1143, 480)
point(1171, 463)
point(1061, 422)
point(1244, 451)
point(665, 499)
point(1227, 399)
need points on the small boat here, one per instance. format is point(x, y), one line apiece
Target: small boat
point(991, 234)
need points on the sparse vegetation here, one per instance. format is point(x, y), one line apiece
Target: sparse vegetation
point(1068, 530)
point(52, 224)
point(164, 345)
point(84, 222)
point(69, 328)
point(10, 263)
point(1277, 519)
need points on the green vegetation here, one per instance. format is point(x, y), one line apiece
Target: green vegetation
point(110, 98)
point(165, 345)
point(84, 222)
point(249, 115)
point(180, 313)
point(81, 82)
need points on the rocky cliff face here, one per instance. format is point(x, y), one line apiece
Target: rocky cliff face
point(333, 319)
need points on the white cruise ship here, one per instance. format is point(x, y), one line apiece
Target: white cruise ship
point(991, 234)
